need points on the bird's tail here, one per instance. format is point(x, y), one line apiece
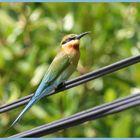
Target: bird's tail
point(28, 106)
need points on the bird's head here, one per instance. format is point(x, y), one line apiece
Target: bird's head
point(72, 40)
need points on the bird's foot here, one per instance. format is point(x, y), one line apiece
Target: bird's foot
point(61, 85)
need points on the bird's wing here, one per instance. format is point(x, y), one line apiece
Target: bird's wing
point(59, 64)
point(57, 67)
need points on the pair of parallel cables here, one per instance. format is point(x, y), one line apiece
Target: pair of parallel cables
point(90, 114)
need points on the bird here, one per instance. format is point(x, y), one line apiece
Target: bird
point(61, 68)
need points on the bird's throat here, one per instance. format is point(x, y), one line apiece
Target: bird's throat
point(74, 46)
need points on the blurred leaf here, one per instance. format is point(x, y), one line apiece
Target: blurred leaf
point(122, 126)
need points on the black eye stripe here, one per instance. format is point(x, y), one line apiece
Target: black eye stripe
point(65, 41)
point(69, 39)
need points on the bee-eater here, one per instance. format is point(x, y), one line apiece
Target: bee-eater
point(63, 65)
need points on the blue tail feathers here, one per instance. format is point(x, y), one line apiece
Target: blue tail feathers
point(28, 106)
point(41, 91)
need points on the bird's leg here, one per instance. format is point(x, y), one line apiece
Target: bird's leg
point(61, 85)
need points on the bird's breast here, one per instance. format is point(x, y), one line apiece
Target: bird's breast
point(73, 54)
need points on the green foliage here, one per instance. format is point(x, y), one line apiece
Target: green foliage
point(30, 34)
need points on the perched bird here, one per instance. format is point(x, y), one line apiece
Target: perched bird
point(63, 65)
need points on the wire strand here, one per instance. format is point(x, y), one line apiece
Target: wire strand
point(79, 80)
point(79, 118)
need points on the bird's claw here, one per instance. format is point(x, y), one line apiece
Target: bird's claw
point(61, 85)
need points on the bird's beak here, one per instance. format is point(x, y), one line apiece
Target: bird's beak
point(81, 35)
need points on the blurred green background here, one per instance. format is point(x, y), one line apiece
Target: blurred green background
point(30, 34)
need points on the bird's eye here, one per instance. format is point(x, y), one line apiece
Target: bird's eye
point(67, 40)
point(64, 42)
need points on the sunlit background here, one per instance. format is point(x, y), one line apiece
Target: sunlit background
point(30, 34)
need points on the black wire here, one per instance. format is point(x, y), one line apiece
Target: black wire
point(87, 115)
point(79, 80)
